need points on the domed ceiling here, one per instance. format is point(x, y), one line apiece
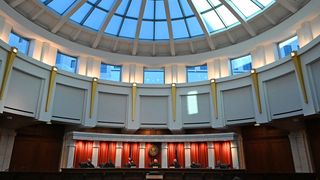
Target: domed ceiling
point(157, 27)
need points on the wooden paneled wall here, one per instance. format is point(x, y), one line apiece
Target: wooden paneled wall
point(313, 131)
point(267, 149)
point(37, 148)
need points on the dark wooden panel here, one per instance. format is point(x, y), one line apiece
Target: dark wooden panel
point(267, 150)
point(313, 131)
point(37, 148)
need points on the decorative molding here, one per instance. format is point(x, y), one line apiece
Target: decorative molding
point(297, 64)
point(152, 138)
point(214, 97)
point(52, 80)
point(94, 85)
point(174, 101)
point(9, 63)
point(255, 83)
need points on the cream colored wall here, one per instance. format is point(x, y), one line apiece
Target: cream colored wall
point(218, 66)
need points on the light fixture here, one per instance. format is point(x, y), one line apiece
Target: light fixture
point(212, 80)
point(134, 84)
point(294, 53)
point(94, 79)
point(54, 68)
point(173, 84)
point(48, 123)
point(256, 124)
point(14, 49)
point(253, 71)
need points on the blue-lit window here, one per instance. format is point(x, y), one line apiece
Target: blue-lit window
point(241, 64)
point(287, 46)
point(66, 62)
point(19, 42)
point(110, 72)
point(153, 76)
point(197, 73)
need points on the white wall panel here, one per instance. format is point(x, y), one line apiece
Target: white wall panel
point(315, 73)
point(238, 105)
point(153, 110)
point(23, 93)
point(283, 96)
point(112, 108)
point(195, 109)
point(68, 103)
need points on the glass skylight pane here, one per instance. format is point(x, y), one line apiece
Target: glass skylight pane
point(227, 17)
point(212, 21)
point(186, 8)
point(81, 13)
point(197, 73)
point(160, 10)
point(66, 62)
point(174, 8)
point(247, 7)
point(201, 5)
point(128, 28)
point(266, 2)
point(241, 65)
point(134, 8)
point(93, 21)
point(19, 42)
point(179, 29)
point(92, 1)
point(161, 31)
point(110, 72)
point(153, 76)
point(146, 31)
point(106, 4)
point(149, 10)
point(60, 6)
point(194, 26)
point(122, 7)
point(114, 25)
point(215, 2)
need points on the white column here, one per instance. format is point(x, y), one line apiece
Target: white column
point(315, 23)
point(211, 70)
point(168, 74)
point(164, 155)
point(5, 29)
point(48, 54)
point(258, 57)
point(304, 34)
point(300, 152)
point(6, 146)
point(187, 154)
point(271, 53)
point(82, 65)
point(138, 75)
point(95, 153)
point(93, 67)
point(142, 154)
point(224, 67)
point(118, 154)
point(35, 49)
point(211, 159)
point(71, 147)
point(125, 74)
point(181, 73)
point(235, 154)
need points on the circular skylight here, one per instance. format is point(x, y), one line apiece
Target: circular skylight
point(154, 20)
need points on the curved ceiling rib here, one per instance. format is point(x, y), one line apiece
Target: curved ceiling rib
point(138, 29)
point(172, 49)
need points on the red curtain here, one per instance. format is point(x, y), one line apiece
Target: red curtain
point(222, 152)
point(135, 151)
point(107, 151)
point(125, 153)
point(199, 153)
point(194, 152)
point(147, 158)
point(176, 151)
point(171, 153)
point(83, 152)
point(203, 154)
point(180, 154)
